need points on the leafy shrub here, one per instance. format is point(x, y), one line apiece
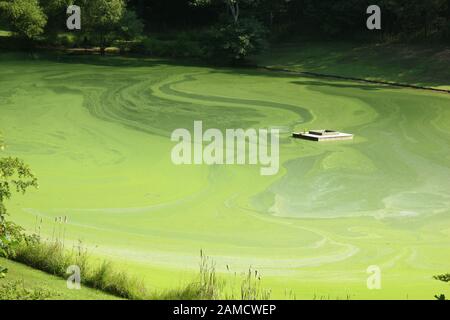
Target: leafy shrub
point(3, 272)
point(443, 277)
point(235, 41)
point(130, 26)
point(16, 176)
point(16, 290)
point(65, 40)
point(180, 47)
point(11, 235)
point(25, 17)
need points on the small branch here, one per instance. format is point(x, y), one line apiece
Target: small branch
point(234, 8)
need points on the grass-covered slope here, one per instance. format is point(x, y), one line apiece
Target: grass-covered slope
point(29, 282)
point(422, 65)
point(97, 134)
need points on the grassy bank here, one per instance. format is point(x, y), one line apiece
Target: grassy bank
point(54, 259)
point(23, 282)
point(105, 276)
point(422, 65)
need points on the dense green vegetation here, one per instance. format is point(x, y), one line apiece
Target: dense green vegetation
point(217, 30)
point(24, 282)
point(15, 176)
point(338, 18)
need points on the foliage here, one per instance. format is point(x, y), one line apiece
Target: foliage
point(443, 277)
point(233, 6)
point(15, 175)
point(55, 10)
point(105, 21)
point(181, 47)
point(16, 290)
point(236, 39)
point(122, 23)
point(130, 29)
point(11, 235)
point(25, 17)
point(3, 272)
point(336, 18)
point(101, 19)
point(130, 26)
point(235, 42)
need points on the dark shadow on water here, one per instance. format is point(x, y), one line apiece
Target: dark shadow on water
point(342, 85)
point(137, 61)
point(91, 59)
point(131, 61)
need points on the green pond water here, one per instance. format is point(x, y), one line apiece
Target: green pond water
point(97, 134)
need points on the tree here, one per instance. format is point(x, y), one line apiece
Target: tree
point(100, 20)
point(235, 42)
point(130, 26)
point(233, 6)
point(237, 39)
point(15, 176)
point(25, 17)
point(56, 15)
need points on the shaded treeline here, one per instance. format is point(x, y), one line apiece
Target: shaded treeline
point(344, 18)
point(412, 19)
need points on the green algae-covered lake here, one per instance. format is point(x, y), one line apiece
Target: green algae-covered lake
point(97, 134)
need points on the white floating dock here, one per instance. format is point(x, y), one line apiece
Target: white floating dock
point(322, 135)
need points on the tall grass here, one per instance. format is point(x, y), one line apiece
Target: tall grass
point(206, 285)
point(54, 258)
point(251, 287)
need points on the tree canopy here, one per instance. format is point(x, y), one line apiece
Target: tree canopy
point(26, 17)
point(337, 18)
point(343, 18)
point(235, 28)
point(15, 176)
point(101, 19)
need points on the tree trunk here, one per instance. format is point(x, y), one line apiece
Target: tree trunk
point(234, 8)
